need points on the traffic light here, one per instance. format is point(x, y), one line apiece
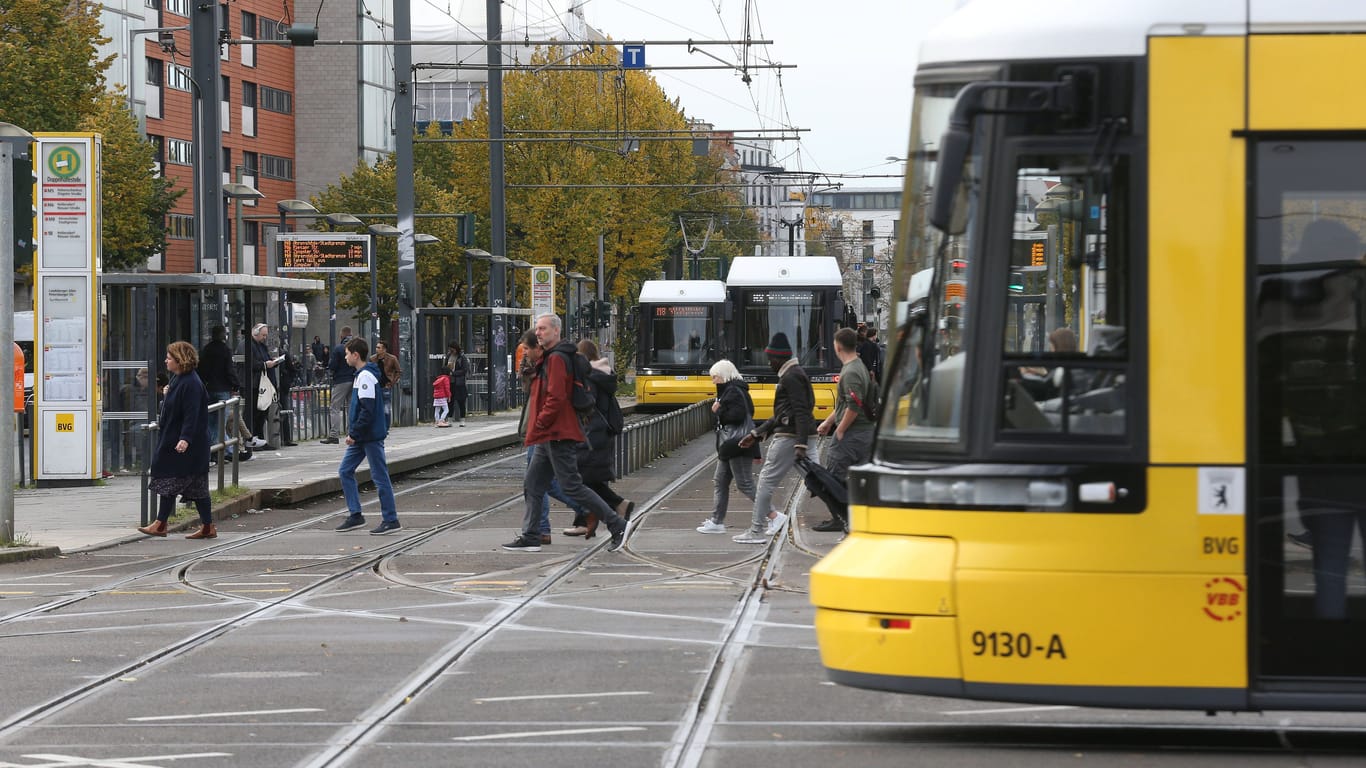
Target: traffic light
point(604, 314)
point(23, 211)
point(466, 230)
point(586, 314)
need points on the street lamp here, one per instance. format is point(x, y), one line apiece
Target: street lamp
point(471, 254)
point(236, 192)
point(577, 279)
point(288, 208)
point(377, 230)
point(13, 137)
point(336, 220)
point(516, 265)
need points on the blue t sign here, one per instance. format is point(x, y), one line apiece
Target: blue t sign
point(633, 57)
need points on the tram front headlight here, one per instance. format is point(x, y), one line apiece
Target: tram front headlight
point(975, 492)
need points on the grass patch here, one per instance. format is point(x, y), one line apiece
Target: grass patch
point(19, 540)
point(228, 493)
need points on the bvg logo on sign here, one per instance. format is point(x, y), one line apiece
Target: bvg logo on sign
point(66, 422)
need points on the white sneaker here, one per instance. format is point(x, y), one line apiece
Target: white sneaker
point(257, 442)
point(711, 526)
point(750, 537)
point(775, 524)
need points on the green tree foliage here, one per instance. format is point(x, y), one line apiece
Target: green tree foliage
point(573, 173)
point(135, 198)
point(55, 43)
point(440, 266)
point(52, 42)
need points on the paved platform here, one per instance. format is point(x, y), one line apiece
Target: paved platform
point(63, 520)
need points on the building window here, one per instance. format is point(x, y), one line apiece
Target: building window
point(155, 71)
point(248, 95)
point(178, 7)
point(273, 167)
point(179, 227)
point(248, 25)
point(270, 29)
point(276, 100)
point(179, 78)
point(180, 152)
point(250, 164)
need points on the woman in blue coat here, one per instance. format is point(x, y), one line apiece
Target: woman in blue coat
point(180, 466)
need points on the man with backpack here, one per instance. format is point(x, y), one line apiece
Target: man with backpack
point(555, 431)
point(852, 421)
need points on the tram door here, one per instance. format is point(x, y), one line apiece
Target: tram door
point(1307, 398)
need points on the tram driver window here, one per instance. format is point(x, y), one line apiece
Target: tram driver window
point(1064, 337)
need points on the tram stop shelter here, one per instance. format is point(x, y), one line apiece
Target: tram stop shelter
point(143, 312)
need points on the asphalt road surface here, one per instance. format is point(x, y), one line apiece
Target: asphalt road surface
point(284, 643)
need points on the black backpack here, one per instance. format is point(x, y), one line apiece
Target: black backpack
point(870, 405)
point(615, 420)
point(583, 395)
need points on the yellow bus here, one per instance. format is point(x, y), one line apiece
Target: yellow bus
point(1140, 486)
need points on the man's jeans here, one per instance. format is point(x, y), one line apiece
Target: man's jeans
point(778, 460)
point(373, 452)
point(554, 493)
point(558, 460)
point(340, 401)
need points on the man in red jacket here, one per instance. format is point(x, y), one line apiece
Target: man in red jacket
point(553, 428)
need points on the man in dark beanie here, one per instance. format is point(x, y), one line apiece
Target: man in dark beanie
point(786, 430)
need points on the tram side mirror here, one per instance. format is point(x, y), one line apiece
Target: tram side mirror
point(727, 311)
point(631, 318)
point(948, 210)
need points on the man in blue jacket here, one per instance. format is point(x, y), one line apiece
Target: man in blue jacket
point(368, 426)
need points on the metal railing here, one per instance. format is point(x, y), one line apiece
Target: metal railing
point(641, 442)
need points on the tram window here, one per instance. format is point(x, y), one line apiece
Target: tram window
point(1064, 353)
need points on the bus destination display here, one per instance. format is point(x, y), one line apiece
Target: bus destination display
point(682, 310)
point(312, 252)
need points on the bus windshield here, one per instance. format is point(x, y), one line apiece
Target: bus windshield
point(798, 312)
point(681, 334)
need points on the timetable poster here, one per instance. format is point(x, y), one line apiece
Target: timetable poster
point(65, 304)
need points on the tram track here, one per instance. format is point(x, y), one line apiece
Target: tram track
point(261, 608)
point(369, 727)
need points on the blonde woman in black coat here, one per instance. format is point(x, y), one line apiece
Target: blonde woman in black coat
point(180, 466)
point(734, 419)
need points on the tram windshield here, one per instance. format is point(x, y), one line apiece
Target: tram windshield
point(925, 391)
point(681, 334)
point(798, 312)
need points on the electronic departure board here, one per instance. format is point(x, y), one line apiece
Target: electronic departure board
point(324, 252)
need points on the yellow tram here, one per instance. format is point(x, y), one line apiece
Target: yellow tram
point(1121, 462)
point(802, 297)
point(679, 335)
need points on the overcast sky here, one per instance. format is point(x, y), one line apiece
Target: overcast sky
point(851, 88)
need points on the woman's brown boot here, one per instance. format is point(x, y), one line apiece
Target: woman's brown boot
point(204, 532)
point(157, 528)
